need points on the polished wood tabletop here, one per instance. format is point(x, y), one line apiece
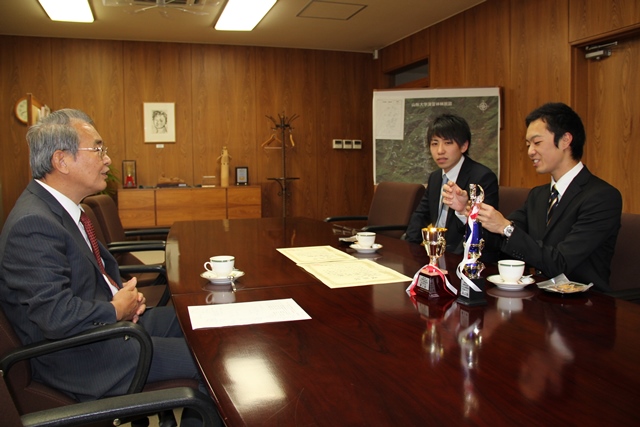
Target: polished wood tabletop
point(373, 356)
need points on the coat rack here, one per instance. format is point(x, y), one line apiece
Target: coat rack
point(282, 127)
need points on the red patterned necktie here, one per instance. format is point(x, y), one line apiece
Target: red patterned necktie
point(91, 234)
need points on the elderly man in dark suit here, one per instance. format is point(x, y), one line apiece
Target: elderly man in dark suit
point(449, 139)
point(571, 225)
point(53, 285)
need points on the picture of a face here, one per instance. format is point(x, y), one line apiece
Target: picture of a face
point(159, 121)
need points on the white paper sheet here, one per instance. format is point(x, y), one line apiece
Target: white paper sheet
point(342, 274)
point(306, 254)
point(246, 313)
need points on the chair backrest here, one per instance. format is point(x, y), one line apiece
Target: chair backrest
point(624, 272)
point(393, 203)
point(106, 212)
point(511, 198)
point(28, 395)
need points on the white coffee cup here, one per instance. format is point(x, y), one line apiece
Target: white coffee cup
point(221, 265)
point(366, 239)
point(511, 270)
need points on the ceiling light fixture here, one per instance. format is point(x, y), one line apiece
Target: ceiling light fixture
point(243, 15)
point(68, 10)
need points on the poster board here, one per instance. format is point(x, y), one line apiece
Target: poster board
point(400, 123)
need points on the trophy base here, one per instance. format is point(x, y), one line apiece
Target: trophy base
point(468, 296)
point(431, 286)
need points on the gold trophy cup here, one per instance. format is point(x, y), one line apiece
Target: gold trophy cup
point(434, 242)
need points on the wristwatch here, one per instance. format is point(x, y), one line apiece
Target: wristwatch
point(508, 230)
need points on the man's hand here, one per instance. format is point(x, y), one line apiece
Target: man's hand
point(455, 197)
point(491, 219)
point(128, 302)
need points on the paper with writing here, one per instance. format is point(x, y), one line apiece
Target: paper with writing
point(306, 254)
point(246, 313)
point(342, 274)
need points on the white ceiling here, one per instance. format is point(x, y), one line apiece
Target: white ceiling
point(307, 24)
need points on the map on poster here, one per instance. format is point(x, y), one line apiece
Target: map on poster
point(400, 123)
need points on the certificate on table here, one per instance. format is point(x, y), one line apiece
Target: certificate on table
point(306, 254)
point(246, 313)
point(343, 274)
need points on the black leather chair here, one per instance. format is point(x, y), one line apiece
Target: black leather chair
point(624, 273)
point(29, 397)
point(390, 210)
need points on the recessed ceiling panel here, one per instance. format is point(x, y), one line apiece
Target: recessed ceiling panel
point(330, 10)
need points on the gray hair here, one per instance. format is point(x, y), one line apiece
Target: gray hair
point(52, 133)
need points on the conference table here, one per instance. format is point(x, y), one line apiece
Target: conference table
point(374, 356)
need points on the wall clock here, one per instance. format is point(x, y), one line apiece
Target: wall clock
point(20, 110)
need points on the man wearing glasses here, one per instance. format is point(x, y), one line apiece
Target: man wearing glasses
point(54, 285)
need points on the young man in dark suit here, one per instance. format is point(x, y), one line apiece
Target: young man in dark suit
point(449, 139)
point(578, 234)
point(53, 285)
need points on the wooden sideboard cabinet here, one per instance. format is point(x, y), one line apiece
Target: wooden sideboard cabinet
point(161, 207)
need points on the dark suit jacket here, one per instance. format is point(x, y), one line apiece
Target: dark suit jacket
point(581, 236)
point(51, 287)
point(426, 213)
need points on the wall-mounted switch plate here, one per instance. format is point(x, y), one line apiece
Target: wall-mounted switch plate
point(357, 144)
point(347, 144)
point(337, 144)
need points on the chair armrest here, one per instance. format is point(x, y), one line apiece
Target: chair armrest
point(346, 218)
point(143, 268)
point(126, 406)
point(374, 228)
point(123, 329)
point(140, 246)
point(147, 232)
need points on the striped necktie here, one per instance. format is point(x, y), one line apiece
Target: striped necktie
point(91, 234)
point(553, 202)
point(442, 214)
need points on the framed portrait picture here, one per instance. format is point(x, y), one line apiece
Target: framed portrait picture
point(159, 122)
point(242, 175)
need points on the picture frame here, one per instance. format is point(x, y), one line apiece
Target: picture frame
point(159, 122)
point(242, 175)
point(129, 174)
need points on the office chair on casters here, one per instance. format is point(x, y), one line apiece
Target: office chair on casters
point(29, 403)
point(390, 210)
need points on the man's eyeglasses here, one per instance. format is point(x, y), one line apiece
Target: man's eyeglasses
point(102, 151)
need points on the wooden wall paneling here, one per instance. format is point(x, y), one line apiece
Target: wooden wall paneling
point(273, 97)
point(137, 208)
point(303, 157)
point(25, 66)
point(223, 110)
point(244, 201)
point(540, 72)
point(418, 46)
point(158, 72)
point(345, 176)
point(87, 75)
point(592, 18)
point(446, 59)
point(487, 47)
point(613, 120)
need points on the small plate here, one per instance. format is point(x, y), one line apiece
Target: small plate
point(566, 288)
point(497, 280)
point(370, 250)
point(211, 276)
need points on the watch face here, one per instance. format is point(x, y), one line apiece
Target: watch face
point(21, 110)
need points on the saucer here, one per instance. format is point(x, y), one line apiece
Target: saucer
point(370, 250)
point(497, 280)
point(211, 276)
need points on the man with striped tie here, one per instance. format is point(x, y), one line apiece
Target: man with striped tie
point(56, 280)
point(570, 225)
